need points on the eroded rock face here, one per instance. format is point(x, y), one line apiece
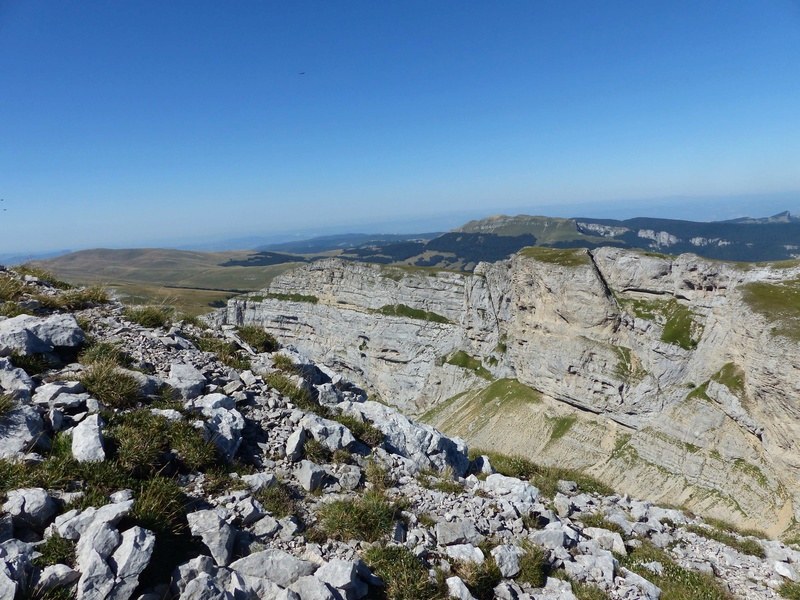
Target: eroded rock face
point(653, 372)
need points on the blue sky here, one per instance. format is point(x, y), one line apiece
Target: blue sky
point(143, 123)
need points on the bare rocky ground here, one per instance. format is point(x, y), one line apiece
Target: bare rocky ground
point(178, 462)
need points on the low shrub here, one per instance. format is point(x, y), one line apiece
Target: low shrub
point(596, 519)
point(481, 579)
point(10, 288)
point(363, 430)
point(12, 309)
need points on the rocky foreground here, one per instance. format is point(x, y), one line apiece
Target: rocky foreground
point(180, 462)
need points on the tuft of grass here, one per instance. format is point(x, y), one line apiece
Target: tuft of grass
point(104, 381)
point(98, 352)
point(401, 310)
point(278, 500)
point(790, 589)
point(227, 352)
point(148, 316)
point(10, 288)
point(377, 475)
point(56, 550)
point(676, 583)
point(42, 274)
point(139, 442)
point(284, 363)
point(260, 340)
point(159, 506)
point(534, 567)
point(365, 431)
point(32, 364)
point(367, 518)
point(72, 300)
point(12, 309)
point(286, 387)
point(404, 575)
point(481, 579)
point(7, 404)
point(315, 451)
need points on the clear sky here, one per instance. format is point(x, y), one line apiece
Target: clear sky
point(135, 123)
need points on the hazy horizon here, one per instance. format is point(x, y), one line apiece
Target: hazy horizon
point(187, 123)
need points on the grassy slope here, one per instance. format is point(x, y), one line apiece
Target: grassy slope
point(189, 280)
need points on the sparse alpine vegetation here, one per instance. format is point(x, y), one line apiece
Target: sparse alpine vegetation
point(175, 461)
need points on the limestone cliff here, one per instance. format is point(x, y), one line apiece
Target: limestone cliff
point(670, 378)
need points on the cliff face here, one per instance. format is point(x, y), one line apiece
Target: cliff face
point(670, 378)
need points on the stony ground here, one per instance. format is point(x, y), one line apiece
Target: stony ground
point(165, 460)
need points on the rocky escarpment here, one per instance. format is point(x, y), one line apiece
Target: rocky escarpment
point(670, 378)
point(249, 472)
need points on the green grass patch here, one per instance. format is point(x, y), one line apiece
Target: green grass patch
point(732, 377)
point(533, 565)
point(365, 431)
point(286, 387)
point(465, 361)
point(149, 316)
point(32, 364)
point(7, 404)
point(278, 500)
point(481, 579)
point(676, 583)
point(292, 297)
point(778, 303)
point(42, 274)
point(56, 550)
point(401, 310)
point(565, 257)
point(115, 389)
point(11, 288)
point(12, 309)
point(99, 352)
point(227, 352)
point(404, 575)
point(260, 340)
point(75, 299)
point(596, 519)
point(285, 364)
point(721, 533)
point(543, 477)
point(561, 426)
point(679, 325)
point(368, 518)
point(790, 589)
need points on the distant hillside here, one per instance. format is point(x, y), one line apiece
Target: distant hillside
point(194, 281)
point(495, 238)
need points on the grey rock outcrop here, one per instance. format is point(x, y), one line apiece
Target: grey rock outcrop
point(87, 440)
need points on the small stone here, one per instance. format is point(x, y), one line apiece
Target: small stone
point(310, 475)
point(30, 507)
point(87, 440)
point(216, 534)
